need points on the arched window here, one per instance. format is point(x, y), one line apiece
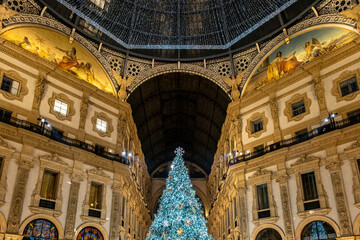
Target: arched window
point(268, 234)
point(40, 229)
point(318, 230)
point(90, 233)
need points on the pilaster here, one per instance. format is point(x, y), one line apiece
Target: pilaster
point(334, 167)
point(17, 203)
point(76, 177)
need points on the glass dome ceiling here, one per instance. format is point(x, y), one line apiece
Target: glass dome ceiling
point(177, 24)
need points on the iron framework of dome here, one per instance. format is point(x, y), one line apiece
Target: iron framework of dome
point(177, 24)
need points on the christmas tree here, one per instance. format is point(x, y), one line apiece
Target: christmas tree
point(179, 215)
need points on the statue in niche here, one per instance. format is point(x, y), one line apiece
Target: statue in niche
point(124, 83)
point(234, 83)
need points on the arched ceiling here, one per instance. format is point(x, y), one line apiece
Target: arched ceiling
point(179, 109)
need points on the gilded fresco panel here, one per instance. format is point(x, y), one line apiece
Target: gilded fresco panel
point(301, 50)
point(55, 48)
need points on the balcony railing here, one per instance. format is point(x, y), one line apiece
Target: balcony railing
point(52, 134)
point(331, 126)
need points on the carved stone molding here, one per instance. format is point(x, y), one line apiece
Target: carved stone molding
point(186, 68)
point(262, 176)
point(287, 215)
point(53, 163)
point(294, 99)
point(341, 205)
point(353, 154)
point(84, 106)
point(22, 90)
point(336, 91)
point(115, 216)
point(104, 117)
point(255, 117)
point(63, 98)
point(96, 175)
point(303, 165)
point(17, 202)
point(5, 154)
point(39, 90)
point(320, 93)
point(71, 210)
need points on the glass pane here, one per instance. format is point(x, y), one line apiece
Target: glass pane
point(257, 126)
point(298, 108)
point(95, 196)
point(101, 125)
point(40, 229)
point(6, 84)
point(60, 107)
point(49, 185)
point(262, 196)
point(90, 233)
point(309, 186)
point(268, 234)
point(349, 86)
point(318, 230)
point(15, 88)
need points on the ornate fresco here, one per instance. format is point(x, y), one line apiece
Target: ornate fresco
point(300, 50)
point(55, 47)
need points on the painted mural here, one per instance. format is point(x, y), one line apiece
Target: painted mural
point(301, 49)
point(55, 47)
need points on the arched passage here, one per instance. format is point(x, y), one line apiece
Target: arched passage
point(179, 109)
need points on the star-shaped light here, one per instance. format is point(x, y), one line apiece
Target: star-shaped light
point(179, 151)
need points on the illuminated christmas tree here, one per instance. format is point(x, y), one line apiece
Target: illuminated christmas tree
point(179, 216)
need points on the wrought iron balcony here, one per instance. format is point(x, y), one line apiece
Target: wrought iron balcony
point(50, 133)
point(331, 126)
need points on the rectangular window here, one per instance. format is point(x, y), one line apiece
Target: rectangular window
point(349, 86)
point(298, 108)
point(5, 115)
point(101, 125)
point(358, 164)
point(257, 125)
point(60, 107)
point(310, 191)
point(49, 185)
point(263, 201)
point(95, 199)
point(9, 85)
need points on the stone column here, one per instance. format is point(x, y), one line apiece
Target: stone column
point(76, 177)
point(285, 202)
point(17, 203)
point(334, 167)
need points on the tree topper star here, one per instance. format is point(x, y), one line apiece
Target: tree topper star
point(179, 151)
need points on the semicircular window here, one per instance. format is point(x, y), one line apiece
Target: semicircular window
point(318, 230)
point(268, 234)
point(90, 233)
point(41, 229)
